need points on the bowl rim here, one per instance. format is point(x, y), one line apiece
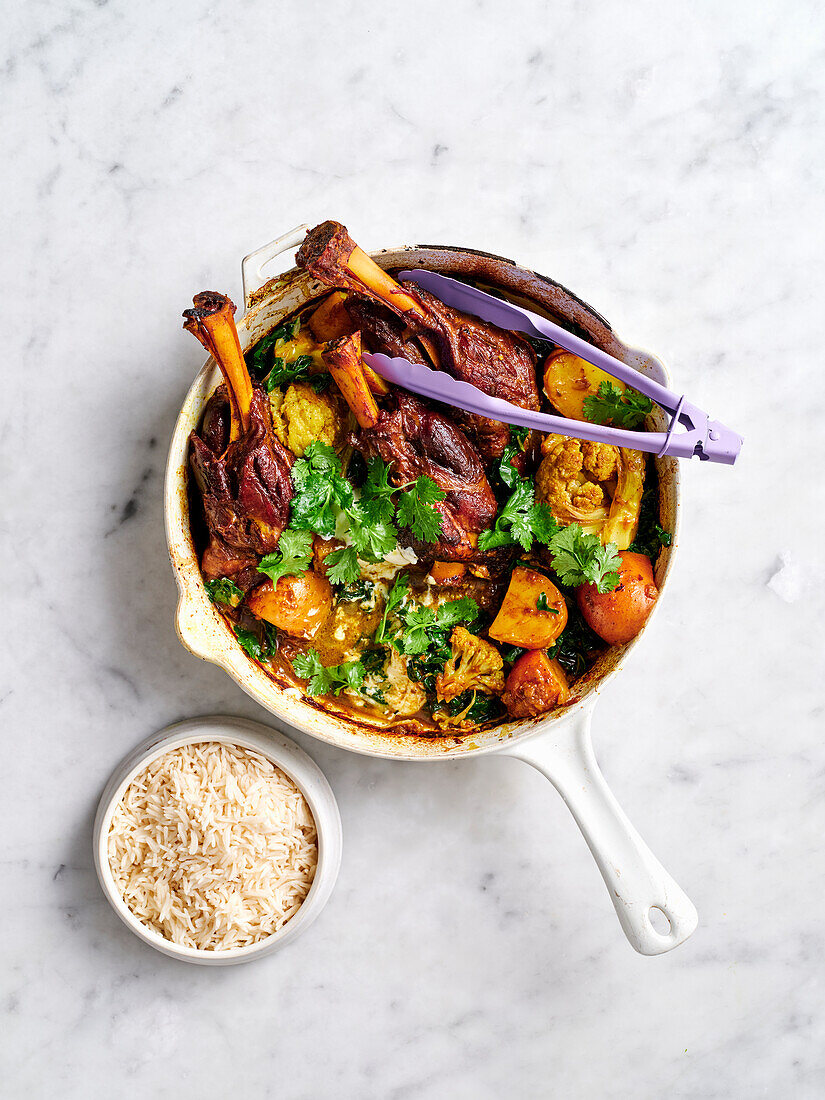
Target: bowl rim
point(280, 751)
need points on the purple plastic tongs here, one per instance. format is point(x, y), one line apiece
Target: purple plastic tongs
point(708, 439)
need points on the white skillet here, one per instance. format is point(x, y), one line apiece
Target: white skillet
point(558, 745)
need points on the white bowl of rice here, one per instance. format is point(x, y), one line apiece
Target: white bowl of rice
point(217, 840)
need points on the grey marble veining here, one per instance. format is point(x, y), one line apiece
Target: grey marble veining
point(667, 164)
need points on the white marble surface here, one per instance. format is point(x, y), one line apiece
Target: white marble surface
point(665, 161)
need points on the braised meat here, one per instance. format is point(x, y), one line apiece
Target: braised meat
point(415, 440)
point(382, 330)
point(500, 363)
point(246, 490)
point(242, 470)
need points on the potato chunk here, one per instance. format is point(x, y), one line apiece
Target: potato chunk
point(533, 613)
point(618, 616)
point(535, 685)
point(568, 380)
point(298, 605)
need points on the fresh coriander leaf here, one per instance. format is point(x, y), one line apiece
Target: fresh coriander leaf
point(308, 666)
point(543, 523)
point(334, 678)
point(582, 559)
point(395, 597)
point(489, 540)
point(348, 675)
point(320, 490)
point(514, 522)
point(415, 639)
point(416, 509)
point(464, 610)
point(223, 590)
point(612, 406)
point(321, 456)
point(377, 482)
point(294, 555)
point(664, 537)
point(342, 566)
point(372, 536)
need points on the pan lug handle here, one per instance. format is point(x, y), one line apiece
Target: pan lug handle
point(252, 266)
point(637, 883)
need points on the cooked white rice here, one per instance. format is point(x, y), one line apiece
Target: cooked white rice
point(213, 847)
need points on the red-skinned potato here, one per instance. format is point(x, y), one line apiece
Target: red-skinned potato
point(520, 621)
point(535, 685)
point(618, 616)
point(298, 605)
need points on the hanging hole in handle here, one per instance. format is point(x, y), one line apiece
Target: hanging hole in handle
point(659, 920)
point(252, 266)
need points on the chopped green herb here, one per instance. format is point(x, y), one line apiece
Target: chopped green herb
point(331, 679)
point(376, 492)
point(320, 489)
point(223, 590)
point(342, 566)
point(582, 559)
point(294, 555)
point(520, 521)
point(416, 509)
point(626, 409)
point(396, 596)
point(425, 628)
point(372, 536)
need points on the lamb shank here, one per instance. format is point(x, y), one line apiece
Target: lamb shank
point(402, 319)
point(242, 470)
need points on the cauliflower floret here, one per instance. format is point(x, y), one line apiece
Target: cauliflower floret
point(300, 416)
point(475, 664)
point(599, 459)
point(561, 483)
point(403, 696)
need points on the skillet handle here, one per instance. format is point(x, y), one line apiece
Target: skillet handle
point(252, 266)
point(635, 879)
